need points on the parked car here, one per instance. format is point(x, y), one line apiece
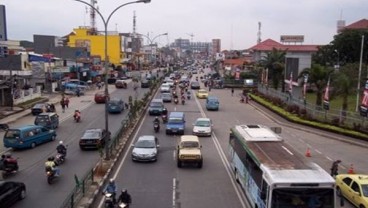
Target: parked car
point(202, 94)
point(93, 139)
point(11, 192)
point(202, 127)
point(28, 136)
point(100, 97)
point(145, 148)
point(353, 187)
point(166, 97)
point(41, 108)
point(115, 105)
point(195, 85)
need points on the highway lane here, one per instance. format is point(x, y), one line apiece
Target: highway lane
point(78, 162)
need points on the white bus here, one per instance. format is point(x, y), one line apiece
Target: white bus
point(273, 175)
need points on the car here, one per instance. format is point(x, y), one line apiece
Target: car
point(212, 103)
point(93, 139)
point(353, 187)
point(175, 123)
point(201, 93)
point(115, 105)
point(145, 83)
point(195, 85)
point(48, 120)
point(202, 127)
point(11, 192)
point(166, 97)
point(41, 108)
point(145, 148)
point(170, 83)
point(100, 97)
point(189, 151)
point(156, 107)
point(121, 84)
point(165, 88)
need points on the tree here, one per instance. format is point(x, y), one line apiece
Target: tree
point(274, 61)
point(318, 76)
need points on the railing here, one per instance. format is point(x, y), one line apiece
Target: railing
point(347, 119)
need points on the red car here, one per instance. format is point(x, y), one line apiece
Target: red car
point(100, 97)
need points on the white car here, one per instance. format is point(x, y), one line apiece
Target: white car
point(170, 83)
point(165, 88)
point(202, 127)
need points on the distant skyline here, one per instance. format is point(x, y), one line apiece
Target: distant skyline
point(235, 22)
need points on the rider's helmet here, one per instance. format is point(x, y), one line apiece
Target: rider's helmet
point(51, 159)
point(61, 142)
point(2, 156)
point(123, 190)
point(156, 118)
point(76, 110)
point(111, 181)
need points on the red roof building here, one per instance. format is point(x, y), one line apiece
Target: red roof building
point(359, 25)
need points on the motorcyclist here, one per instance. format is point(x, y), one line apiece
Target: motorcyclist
point(2, 162)
point(52, 164)
point(157, 120)
point(61, 149)
point(77, 113)
point(111, 189)
point(125, 197)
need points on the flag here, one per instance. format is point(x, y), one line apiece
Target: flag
point(305, 86)
point(326, 97)
point(266, 77)
point(291, 83)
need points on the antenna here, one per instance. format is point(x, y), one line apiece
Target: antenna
point(134, 24)
point(191, 36)
point(93, 17)
point(259, 33)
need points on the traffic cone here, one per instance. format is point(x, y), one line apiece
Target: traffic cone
point(308, 153)
point(351, 169)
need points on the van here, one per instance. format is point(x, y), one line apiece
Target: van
point(156, 107)
point(176, 123)
point(28, 136)
point(48, 120)
point(212, 103)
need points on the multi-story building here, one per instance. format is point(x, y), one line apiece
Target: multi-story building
point(216, 46)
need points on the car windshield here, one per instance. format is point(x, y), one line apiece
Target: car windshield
point(202, 91)
point(42, 119)
point(145, 144)
point(166, 95)
point(203, 123)
point(91, 134)
point(116, 102)
point(189, 144)
point(12, 134)
point(175, 120)
point(195, 83)
point(38, 105)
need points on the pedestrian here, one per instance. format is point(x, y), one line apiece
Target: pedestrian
point(62, 103)
point(232, 91)
point(335, 168)
point(67, 102)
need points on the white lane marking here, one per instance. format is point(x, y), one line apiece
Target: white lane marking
point(225, 162)
point(174, 193)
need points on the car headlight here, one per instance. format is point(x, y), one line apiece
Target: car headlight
point(181, 128)
point(134, 154)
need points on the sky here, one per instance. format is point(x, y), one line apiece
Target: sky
point(235, 22)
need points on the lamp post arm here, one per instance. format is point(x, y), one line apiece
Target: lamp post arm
point(117, 8)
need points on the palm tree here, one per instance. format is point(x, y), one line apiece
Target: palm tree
point(274, 61)
point(318, 76)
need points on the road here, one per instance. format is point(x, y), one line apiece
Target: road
point(39, 192)
point(161, 184)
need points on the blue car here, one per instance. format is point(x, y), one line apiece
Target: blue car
point(212, 103)
point(176, 123)
point(115, 105)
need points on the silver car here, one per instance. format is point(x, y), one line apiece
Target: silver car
point(145, 148)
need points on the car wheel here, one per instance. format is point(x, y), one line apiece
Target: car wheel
point(179, 164)
point(200, 164)
point(22, 194)
point(33, 145)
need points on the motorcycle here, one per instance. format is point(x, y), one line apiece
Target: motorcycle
point(10, 168)
point(77, 117)
point(156, 126)
point(109, 201)
point(176, 101)
point(60, 158)
point(51, 175)
point(188, 96)
point(164, 118)
point(182, 101)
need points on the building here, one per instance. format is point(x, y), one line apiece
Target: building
point(3, 33)
point(216, 46)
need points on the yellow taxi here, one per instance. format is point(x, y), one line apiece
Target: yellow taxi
point(202, 94)
point(353, 187)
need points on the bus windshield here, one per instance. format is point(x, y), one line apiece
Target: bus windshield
point(302, 197)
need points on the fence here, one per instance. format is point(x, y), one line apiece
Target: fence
point(347, 119)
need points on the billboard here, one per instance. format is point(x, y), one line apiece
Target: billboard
point(292, 38)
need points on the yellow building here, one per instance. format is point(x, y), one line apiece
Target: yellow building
point(95, 44)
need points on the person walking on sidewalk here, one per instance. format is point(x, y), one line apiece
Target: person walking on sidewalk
point(67, 102)
point(232, 91)
point(62, 103)
point(334, 168)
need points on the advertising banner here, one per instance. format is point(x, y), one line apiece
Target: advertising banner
point(364, 104)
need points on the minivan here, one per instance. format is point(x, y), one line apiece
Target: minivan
point(175, 123)
point(48, 120)
point(212, 103)
point(156, 107)
point(28, 136)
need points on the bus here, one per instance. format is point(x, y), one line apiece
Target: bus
point(274, 175)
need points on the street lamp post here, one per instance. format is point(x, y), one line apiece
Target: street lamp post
point(153, 39)
point(106, 22)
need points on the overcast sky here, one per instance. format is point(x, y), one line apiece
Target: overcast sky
point(235, 22)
